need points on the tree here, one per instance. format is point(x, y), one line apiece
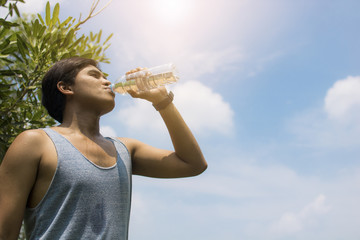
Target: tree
point(28, 47)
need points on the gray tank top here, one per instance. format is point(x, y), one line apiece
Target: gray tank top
point(84, 201)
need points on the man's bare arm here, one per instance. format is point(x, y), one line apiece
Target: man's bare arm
point(17, 175)
point(187, 159)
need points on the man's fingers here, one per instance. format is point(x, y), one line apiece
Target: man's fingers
point(135, 70)
point(132, 74)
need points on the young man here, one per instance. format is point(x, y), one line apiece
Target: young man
point(68, 181)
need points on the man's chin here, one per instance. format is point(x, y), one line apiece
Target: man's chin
point(108, 108)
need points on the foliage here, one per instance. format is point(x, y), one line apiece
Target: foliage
point(28, 47)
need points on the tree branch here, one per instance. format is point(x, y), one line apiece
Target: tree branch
point(92, 9)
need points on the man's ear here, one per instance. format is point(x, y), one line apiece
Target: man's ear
point(64, 88)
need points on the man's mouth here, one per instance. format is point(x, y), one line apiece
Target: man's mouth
point(109, 89)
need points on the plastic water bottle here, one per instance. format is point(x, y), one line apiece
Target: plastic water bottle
point(146, 79)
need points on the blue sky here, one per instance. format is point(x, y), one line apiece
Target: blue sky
point(271, 90)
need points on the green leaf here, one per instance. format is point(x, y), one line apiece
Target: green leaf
point(3, 2)
point(37, 115)
point(45, 40)
point(69, 37)
point(53, 55)
point(55, 17)
point(10, 9)
point(41, 19)
point(21, 42)
point(97, 53)
point(92, 36)
point(74, 44)
point(7, 24)
point(16, 10)
point(86, 55)
point(65, 55)
point(27, 28)
point(106, 47)
point(99, 36)
point(3, 32)
point(5, 43)
point(30, 87)
point(108, 38)
point(5, 58)
point(21, 50)
point(7, 73)
point(41, 32)
point(17, 57)
point(47, 14)
point(65, 23)
point(35, 27)
point(9, 50)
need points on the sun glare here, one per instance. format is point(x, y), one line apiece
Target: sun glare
point(172, 11)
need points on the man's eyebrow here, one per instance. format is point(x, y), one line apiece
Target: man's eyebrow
point(98, 72)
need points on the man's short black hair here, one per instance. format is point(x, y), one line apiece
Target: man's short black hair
point(64, 70)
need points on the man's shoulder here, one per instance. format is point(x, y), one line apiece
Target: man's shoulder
point(32, 137)
point(33, 134)
point(27, 148)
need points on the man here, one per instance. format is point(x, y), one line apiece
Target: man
point(68, 181)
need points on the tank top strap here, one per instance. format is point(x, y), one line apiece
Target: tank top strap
point(60, 142)
point(123, 153)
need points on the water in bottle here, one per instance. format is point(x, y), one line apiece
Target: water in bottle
point(146, 79)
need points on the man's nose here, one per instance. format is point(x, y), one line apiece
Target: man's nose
point(107, 82)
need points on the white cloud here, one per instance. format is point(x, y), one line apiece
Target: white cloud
point(204, 110)
point(139, 116)
point(336, 123)
point(342, 101)
point(293, 222)
point(107, 131)
point(252, 202)
point(288, 223)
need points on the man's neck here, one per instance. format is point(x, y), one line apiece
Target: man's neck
point(86, 124)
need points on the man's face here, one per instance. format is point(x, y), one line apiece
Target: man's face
point(92, 89)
